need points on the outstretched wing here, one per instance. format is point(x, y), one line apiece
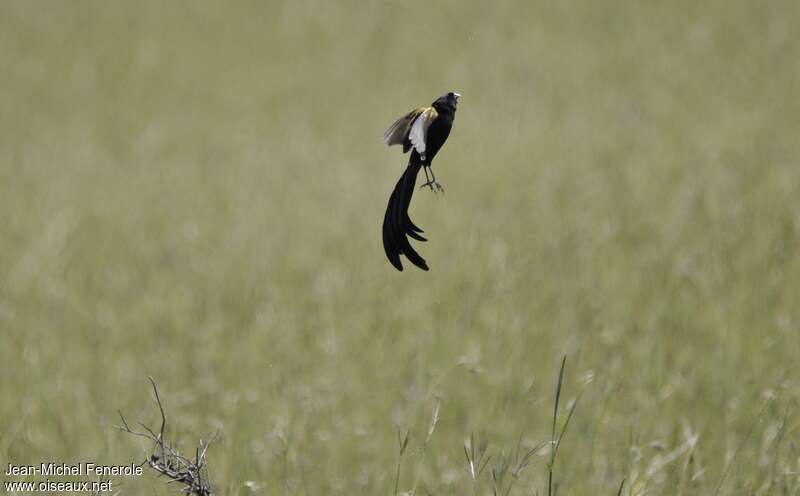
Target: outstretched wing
point(410, 129)
point(419, 130)
point(398, 131)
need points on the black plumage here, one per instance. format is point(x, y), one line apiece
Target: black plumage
point(423, 131)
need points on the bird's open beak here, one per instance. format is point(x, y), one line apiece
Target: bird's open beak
point(458, 96)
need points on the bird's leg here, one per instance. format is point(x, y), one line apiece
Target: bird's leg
point(428, 181)
point(435, 183)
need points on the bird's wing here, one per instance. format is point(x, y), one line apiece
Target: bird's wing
point(419, 130)
point(398, 131)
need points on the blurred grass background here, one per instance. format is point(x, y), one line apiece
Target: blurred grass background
point(194, 191)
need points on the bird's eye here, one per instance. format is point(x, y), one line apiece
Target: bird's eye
point(450, 95)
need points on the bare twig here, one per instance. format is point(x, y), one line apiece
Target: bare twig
point(165, 458)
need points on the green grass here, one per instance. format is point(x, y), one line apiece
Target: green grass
point(194, 191)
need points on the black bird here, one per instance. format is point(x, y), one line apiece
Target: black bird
point(423, 131)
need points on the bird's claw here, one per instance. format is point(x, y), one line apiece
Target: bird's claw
point(434, 186)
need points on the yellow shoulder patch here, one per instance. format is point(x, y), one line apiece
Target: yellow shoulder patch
point(398, 131)
point(419, 130)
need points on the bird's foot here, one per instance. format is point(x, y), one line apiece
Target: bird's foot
point(434, 186)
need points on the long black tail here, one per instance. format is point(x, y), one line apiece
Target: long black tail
point(396, 223)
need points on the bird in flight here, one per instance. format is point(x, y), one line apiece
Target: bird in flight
point(423, 131)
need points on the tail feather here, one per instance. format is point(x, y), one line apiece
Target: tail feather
point(390, 245)
point(396, 222)
point(416, 236)
point(411, 225)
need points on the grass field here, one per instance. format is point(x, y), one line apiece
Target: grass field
point(194, 191)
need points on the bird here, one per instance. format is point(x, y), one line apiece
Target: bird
point(423, 131)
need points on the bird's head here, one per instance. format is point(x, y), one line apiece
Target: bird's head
point(448, 101)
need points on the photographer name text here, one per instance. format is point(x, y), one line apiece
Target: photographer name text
point(64, 469)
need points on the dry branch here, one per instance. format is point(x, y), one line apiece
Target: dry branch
point(167, 461)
